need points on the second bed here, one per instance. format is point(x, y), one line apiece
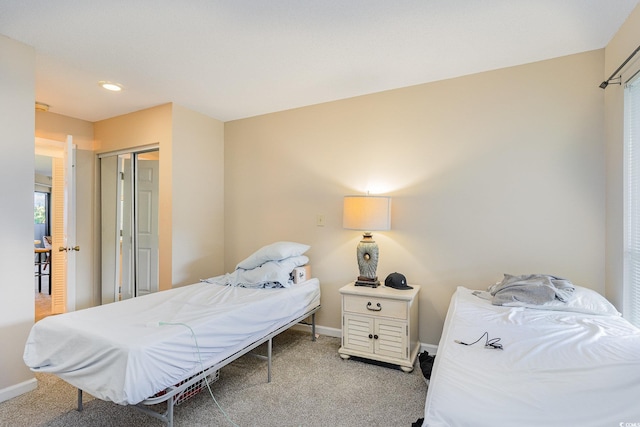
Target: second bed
point(559, 364)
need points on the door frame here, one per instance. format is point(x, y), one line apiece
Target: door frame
point(57, 149)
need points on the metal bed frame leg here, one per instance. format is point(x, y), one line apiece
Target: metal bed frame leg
point(313, 326)
point(80, 400)
point(169, 413)
point(269, 348)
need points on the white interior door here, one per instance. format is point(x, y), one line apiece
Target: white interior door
point(147, 187)
point(63, 221)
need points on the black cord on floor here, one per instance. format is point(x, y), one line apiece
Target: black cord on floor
point(489, 343)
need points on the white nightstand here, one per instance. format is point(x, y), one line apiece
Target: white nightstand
point(380, 324)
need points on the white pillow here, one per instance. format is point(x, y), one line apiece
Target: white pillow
point(273, 252)
point(270, 271)
point(583, 300)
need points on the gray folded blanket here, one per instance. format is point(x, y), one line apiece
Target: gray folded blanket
point(530, 289)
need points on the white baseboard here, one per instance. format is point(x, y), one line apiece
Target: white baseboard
point(337, 333)
point(18, 389)
point(320, 330)
point(430, 348)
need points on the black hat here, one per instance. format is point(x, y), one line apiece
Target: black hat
point(397, 281)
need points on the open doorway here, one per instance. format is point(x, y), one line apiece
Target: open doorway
point(42, 235)
point(61, 268)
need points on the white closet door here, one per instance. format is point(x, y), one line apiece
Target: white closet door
point(147, 225)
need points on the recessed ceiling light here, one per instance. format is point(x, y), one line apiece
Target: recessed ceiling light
point(113, 87)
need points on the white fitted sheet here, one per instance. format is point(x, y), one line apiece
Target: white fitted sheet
point(556, 368)
point(119, 352)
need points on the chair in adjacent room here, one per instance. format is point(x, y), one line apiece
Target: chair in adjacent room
point(46, 241)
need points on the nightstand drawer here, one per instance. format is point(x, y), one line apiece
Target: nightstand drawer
point(375, 306)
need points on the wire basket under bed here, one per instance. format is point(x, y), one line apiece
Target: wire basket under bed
point(193, 389)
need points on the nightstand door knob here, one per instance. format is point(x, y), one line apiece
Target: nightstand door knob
point(375, 337)
point(379, 307)
point(370, 336)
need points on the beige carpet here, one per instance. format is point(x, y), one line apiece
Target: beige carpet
point(311, 386)
point(43, 299)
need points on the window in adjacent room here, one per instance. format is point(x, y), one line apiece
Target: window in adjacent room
point(40, 215)
point(631, 308)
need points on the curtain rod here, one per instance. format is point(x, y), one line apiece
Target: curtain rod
point(605, 83)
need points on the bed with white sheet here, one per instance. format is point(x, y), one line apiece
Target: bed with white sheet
point(127, 352)
point(571, 363)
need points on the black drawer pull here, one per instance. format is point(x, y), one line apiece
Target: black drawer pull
point(374, 309)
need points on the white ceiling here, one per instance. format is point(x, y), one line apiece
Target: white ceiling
point(231, 59)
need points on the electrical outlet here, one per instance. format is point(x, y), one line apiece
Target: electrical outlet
point(320, 220)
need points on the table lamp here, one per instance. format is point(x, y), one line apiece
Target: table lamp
point(367, 213)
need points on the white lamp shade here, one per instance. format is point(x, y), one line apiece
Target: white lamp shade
point(367, 213)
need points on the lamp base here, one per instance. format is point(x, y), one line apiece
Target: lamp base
point(367, 281)
point(367, 254)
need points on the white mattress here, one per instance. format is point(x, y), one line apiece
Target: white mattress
point(120, 352)
point(556, 369)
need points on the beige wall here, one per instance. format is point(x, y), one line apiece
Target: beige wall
point(144, 127)
point(621, 46)
point(498, 172)
point(17, 86)
point(56, 127)
point(198, 199)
